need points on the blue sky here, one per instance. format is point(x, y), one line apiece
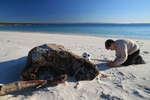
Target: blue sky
point(59, 11)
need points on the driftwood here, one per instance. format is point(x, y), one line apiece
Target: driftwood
point(53, 60)
point(20, 85)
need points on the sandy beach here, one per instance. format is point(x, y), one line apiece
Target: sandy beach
point(121, 83)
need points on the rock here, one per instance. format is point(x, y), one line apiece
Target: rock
point(56, 60)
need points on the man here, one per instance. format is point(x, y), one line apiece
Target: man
point(127, 52)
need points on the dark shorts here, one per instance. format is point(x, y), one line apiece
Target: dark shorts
point(134, 58)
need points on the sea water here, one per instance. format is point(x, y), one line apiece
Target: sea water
point(141, 31)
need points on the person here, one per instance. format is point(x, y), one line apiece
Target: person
point(127, 52)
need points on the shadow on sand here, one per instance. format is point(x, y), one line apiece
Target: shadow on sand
point(10, 70)
point(103, 66)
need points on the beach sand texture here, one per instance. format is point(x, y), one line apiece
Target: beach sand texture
point(121, 83)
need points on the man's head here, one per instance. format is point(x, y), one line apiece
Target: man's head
point(110, 44)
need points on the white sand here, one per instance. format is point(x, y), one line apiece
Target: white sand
point(123, 83)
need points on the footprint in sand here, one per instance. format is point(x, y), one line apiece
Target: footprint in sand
point(140, 43)
point(120, 73)
point(8, 41)
point(109, 97)
point(131, 76)
point(102, 77)
point(76, 85)
point(145, 88)
point(136, 93)
point(145, 52)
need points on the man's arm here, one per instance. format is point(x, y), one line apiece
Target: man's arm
point(121, 56)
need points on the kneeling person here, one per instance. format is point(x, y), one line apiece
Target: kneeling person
point(127, 52)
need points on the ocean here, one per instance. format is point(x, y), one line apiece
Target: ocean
point(141, 31)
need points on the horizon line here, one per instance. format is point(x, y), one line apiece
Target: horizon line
point(67, 23)
point(70, 23)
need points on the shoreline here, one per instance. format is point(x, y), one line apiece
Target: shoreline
point(80, 34)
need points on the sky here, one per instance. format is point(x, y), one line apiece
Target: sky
point(75, 11)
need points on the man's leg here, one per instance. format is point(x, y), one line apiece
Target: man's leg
point(139, 60)
point(131, 58)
